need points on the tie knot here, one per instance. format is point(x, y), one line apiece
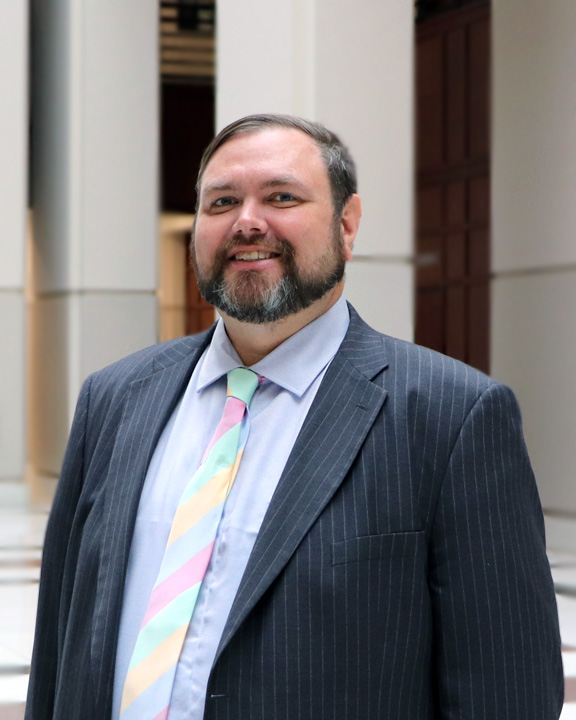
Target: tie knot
point(242, 383)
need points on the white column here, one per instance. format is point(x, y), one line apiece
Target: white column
point(13, 192)
point(95, 198)
point(350, 66)
point(534, 250)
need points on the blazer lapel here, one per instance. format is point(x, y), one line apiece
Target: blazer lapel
point(343, 411)
point(151, 400)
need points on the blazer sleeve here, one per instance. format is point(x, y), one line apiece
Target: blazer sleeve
point(496, 637)
point(53, 602)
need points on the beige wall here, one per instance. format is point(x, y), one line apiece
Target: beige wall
point(13, 195)
point(534, 250)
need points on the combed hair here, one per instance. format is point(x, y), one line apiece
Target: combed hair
point(339, 164)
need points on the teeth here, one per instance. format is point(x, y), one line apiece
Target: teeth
point(253, 255)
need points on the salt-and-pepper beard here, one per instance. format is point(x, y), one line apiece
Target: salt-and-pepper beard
point(249, 297)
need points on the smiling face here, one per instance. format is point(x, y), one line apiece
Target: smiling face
point(266, 243)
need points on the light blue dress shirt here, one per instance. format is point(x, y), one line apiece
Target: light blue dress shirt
point(294, 371)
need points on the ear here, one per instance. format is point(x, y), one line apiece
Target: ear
point(350, 222)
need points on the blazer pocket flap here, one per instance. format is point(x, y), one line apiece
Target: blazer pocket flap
point(374, 547)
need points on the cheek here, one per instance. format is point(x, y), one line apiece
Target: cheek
point(305, 232)
point(208, 237)
point(312, 241)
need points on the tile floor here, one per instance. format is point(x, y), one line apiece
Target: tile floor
point(21, 533)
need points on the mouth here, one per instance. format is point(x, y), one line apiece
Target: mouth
point(253, 255)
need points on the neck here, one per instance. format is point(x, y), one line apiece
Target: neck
point(253, 341)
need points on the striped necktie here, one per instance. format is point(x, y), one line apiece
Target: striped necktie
point(150, 677)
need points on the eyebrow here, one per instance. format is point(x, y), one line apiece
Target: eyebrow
point(217, 187)
point(273, 182)
point(283, 180)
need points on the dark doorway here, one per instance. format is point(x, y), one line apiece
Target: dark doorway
point(187, 40)
point(187, 128)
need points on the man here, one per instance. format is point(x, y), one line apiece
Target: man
point(381, 551)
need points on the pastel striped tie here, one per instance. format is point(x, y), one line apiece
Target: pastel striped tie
point(150, 677)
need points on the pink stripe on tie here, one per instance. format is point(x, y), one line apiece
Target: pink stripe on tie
point(185, 577)
point(233, 414)
point(163, 715)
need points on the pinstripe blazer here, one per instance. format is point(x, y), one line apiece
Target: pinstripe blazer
point(400, 572)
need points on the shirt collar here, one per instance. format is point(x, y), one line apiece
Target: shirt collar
point(294, 364)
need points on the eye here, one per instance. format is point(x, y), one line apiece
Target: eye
point(223, 202)
point(284, 199)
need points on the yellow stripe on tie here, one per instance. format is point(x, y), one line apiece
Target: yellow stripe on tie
point(153, 666)
point(200, 504)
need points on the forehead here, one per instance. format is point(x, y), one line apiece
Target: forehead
point(263, 155)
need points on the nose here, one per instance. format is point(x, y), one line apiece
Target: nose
point(250, 219)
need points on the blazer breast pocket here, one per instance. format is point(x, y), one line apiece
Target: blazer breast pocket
point(378, 547)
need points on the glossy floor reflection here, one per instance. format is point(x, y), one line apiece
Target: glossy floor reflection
point(21, 534)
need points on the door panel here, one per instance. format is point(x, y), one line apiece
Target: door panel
point(453, 183)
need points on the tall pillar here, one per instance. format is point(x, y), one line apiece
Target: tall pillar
point(350, 66)
point(13, 191)
point(95, 102)
point(534, 251)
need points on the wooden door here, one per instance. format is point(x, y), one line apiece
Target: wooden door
point(453, 183)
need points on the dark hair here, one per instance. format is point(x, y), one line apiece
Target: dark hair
point(339, 164)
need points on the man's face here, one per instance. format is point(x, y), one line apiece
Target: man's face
point(266, 243)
